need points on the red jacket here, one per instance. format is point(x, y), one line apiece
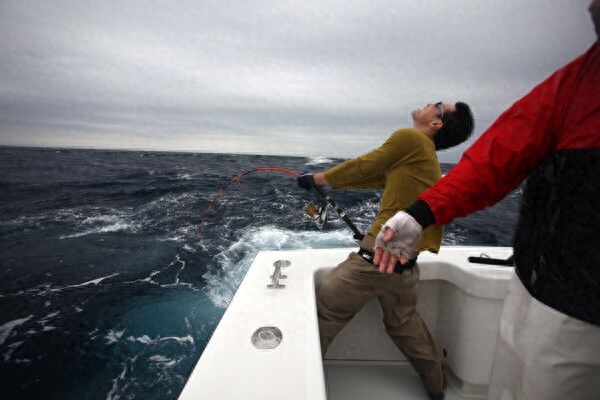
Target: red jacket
point(563, 112)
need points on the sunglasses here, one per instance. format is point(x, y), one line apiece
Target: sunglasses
point(440, 106)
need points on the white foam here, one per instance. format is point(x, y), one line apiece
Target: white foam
point(149, 277)
point(116, 227)
point(169, 201)
point(176, 282)
point(159, 358)
point(81, 215)
point(35, 220)
point(48, 328)
point(51, 315)
point(11, 349)
point(181, 234)
point(172, 239)
point(187, 247)
point(7, 328)
point(112, 394)
point(163, 361)
point(318, 160)
point(106, 219)
point(45, 320)
point(233, 263)
point(453, 238)
point(113, 336)
point(180, 340)
point(92, 282)
point(145, 339)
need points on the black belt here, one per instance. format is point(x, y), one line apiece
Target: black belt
point(399, 268)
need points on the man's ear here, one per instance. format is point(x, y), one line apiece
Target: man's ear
point(436, 124)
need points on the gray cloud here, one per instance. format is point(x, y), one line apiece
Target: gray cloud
point(286, 77)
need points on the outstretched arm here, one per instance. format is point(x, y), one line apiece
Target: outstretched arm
point(368, 170)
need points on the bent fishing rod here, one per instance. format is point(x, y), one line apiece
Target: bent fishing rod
point(316, 214)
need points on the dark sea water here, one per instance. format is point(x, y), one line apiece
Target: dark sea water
point(108, 290)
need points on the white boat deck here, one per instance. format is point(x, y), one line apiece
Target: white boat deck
point(362, 362)
point(376, 381)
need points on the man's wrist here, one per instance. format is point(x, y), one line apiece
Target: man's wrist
point(319, 178)
point(421, 212)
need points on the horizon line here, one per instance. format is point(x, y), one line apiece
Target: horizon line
point(139, 150)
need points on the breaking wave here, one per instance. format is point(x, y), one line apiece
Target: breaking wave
point(318, 161)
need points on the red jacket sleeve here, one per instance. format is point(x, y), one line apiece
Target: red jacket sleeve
point(502, 157)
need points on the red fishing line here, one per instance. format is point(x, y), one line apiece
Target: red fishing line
point(220, 192)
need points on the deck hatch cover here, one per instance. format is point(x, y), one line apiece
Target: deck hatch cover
point(267, 337)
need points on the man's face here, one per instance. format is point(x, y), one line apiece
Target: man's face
point(594, 9)
point(431, 112)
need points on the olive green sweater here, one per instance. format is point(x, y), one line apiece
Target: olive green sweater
point(404, 166)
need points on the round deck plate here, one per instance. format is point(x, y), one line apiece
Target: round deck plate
point(267, 337)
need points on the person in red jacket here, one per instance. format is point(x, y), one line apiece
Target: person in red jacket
point(549, 340)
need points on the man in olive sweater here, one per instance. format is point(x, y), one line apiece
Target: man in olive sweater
point(404, 166)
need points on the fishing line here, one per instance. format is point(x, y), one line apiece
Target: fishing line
point(219, 192)
point(317, 215)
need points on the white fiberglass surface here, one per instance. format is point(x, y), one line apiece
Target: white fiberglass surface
point(359, 381)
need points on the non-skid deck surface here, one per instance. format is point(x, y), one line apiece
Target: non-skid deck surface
point(360, 381)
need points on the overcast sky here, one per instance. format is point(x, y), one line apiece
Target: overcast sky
point(316, 78)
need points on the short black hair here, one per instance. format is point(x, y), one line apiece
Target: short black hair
point(458, 127)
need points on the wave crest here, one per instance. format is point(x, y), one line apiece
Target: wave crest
point(318, 160)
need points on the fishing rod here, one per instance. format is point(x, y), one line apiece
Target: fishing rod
point(309, 210)
point(316, 214)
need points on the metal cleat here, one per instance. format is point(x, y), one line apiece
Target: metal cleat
point(277, 275)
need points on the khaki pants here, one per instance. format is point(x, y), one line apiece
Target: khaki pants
point(346, 289)
point(542, 353)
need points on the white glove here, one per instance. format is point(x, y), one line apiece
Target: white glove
point(401, 243)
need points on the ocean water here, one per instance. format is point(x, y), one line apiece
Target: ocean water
point(109, 289)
